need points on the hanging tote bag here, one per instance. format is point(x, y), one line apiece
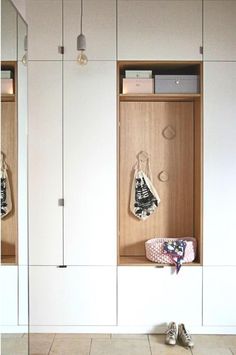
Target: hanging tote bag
point(144, 198)
point(6, 202)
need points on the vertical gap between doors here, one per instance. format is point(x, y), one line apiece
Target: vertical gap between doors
point(62, 138)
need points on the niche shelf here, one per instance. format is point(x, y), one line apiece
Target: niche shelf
point(142, 118)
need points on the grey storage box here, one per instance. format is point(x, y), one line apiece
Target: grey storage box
point(174, 84)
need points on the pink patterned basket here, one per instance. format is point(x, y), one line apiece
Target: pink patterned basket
point(154, 250)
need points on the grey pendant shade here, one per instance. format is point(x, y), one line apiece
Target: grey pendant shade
point(81, 41)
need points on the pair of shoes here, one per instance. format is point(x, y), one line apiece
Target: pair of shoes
point(182, 334)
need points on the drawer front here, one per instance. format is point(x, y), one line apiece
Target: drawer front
point(153, 296)
point(83, 295)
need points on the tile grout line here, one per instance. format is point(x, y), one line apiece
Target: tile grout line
point(150, 348)
point(90, 347)
point(52, 343)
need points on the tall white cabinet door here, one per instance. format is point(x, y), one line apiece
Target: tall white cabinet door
point(219, 30)
point(72, 295)
point(90, 163)
point(45, 162)
point(99, 26)
point(151, 296)
point(44, 19)
point(159, 29)
point(219, 294)
point(8, 295)
point(219, 163)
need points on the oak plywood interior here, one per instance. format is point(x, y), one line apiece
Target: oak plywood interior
point(169, 128)
point(143, 127)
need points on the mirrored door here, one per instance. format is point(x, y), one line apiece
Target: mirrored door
point(14, 231)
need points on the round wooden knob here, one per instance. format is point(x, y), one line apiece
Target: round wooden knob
point(169, 132)
point(163, 176)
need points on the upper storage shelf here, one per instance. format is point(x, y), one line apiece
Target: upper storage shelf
point(171, 81)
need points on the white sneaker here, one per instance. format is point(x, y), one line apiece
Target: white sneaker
point(184, 337)
point(171, 334)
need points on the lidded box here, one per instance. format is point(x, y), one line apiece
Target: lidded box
point(138, 86)
point(185, 84)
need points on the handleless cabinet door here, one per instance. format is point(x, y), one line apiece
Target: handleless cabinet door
point(90, 163)
point(219, 294)
point(8, 295)
point(152, 30)
point(219, 163)
point(45, 163)
point(219, 30)
point(72, 295)
point(99, 27)
point(151, 296)
point(44, 18)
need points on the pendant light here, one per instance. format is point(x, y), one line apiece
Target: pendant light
point(81, 41)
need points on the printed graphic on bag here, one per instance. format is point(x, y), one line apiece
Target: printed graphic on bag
point(6, 202)
point(176, 250)
point(3, 197)
point(145, 201)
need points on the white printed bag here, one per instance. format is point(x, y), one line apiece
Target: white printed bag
point(144, 198)
point(6, 203)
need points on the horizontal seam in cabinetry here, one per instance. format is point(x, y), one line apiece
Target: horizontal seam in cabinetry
point(44, 265)
point(219, 61)
point(71, 60)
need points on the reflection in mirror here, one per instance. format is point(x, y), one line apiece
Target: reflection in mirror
point(14, 239)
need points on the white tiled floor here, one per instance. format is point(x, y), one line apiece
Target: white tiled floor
point(113, 344)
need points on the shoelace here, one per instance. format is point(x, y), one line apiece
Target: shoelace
point(186, 334)
point(171, 331)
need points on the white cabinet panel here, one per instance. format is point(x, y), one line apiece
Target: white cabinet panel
point(152, 296)
point(44, 19)
point(8, 31)
point(99, 27)
point(45, 162)
point(219, 30)
point(90, 163)
point(72, 295)
point(159, 29)
point(23, 295)
point(219, 294)
point(8, 295)
point(219, 163)
point(22, 164)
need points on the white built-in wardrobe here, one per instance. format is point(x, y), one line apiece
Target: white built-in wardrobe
point(73, 156)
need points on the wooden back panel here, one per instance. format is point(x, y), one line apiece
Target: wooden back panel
point(141, 129)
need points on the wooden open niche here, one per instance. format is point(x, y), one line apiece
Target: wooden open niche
point(169, 128)
point(9, 143)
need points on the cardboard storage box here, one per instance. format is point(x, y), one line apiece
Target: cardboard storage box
point(185, 84)
point(138, 86)
point(7, 86)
